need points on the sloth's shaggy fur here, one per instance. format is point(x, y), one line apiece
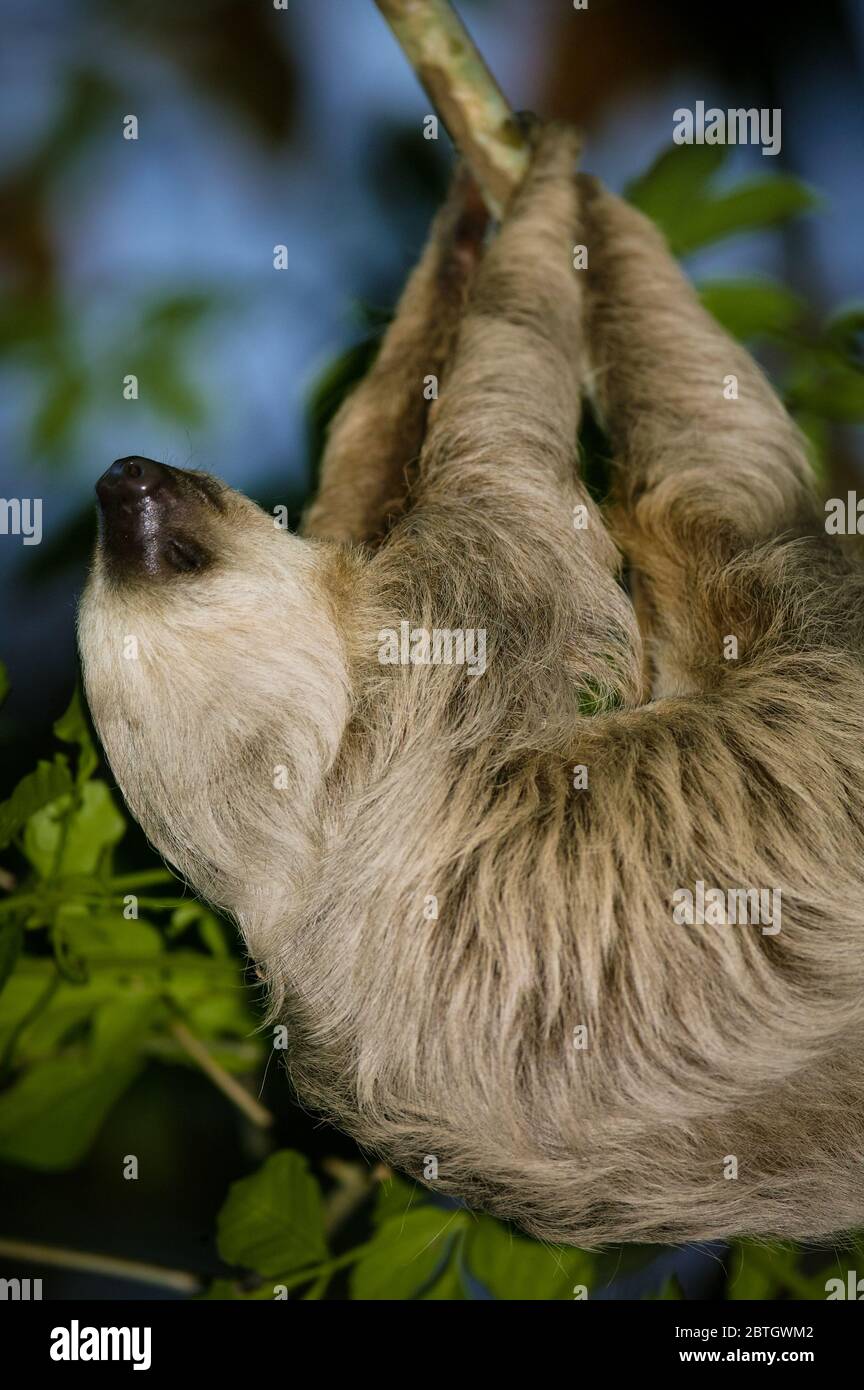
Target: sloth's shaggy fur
point(454, 1036)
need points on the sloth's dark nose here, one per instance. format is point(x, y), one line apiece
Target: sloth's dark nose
point(130, 480)
point(151, 519)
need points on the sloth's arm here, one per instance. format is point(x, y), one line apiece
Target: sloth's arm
point(377, 434)
point(501, 532)
point(710, 466)
point(511, 407)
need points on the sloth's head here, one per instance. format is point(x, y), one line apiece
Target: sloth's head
point(216, 675)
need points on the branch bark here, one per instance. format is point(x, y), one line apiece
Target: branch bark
point(463, 92)
point(228, 1084)
point(29, 1253)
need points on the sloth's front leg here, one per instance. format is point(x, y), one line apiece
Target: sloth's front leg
point(376, 436)
point(711, 469)
point(505, 530)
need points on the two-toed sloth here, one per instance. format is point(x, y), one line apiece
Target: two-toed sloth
point(476, 948)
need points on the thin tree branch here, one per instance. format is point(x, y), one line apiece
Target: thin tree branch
point(110, 1265)
point(463, 92)
point(354, 1183)
point(229, 1085)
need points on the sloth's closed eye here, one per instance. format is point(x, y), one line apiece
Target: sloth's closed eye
point(208, 490)
point(185, 555)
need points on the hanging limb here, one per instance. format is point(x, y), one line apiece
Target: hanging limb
point(375, 439)
point(464, 94)
point(376, 436)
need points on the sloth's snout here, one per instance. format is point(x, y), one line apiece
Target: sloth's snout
point(150, 516)
point(130, 480)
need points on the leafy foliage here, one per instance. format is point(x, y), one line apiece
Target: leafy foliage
point(274, 1221)
point(90, 988)
point(423, 1248)
point(152, 342)
point(272, 1224)
point(678, 193)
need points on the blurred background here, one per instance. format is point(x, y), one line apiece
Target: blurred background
point(302, 126)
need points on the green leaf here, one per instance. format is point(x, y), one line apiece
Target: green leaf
point(212, 933)
point(447, 1287)
point(834, 390)
point(61, 404)
point(215, 1008)
point(68, 1011)
point(511, 1267)
point(273, 1222)
point(183, 917)
point(91, 828)
point(166, 389)
point(50, 1117)
point(407, 1254)
point(93, 934)
point(72, 727)
point(221, 1291)
point(844, 333)
point(225, 1015)
point(11, 936)
point(396, 1197)
point(212, 1001)
point(37, 789)
point(14, 1027)
point(754, 1273)
point(210, 928)
point(178, 313)
point(762, 202)
point(752, 308)
point(816, 432)
point(332, 387)
point(676, 193)
point(679, 174)
point(122, 1025)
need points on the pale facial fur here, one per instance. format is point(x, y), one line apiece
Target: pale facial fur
point(210, 688)
point(440, 909)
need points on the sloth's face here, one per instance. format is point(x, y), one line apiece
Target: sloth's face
point(215, 674)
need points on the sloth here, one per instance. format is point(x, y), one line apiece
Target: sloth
point(460, 885)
